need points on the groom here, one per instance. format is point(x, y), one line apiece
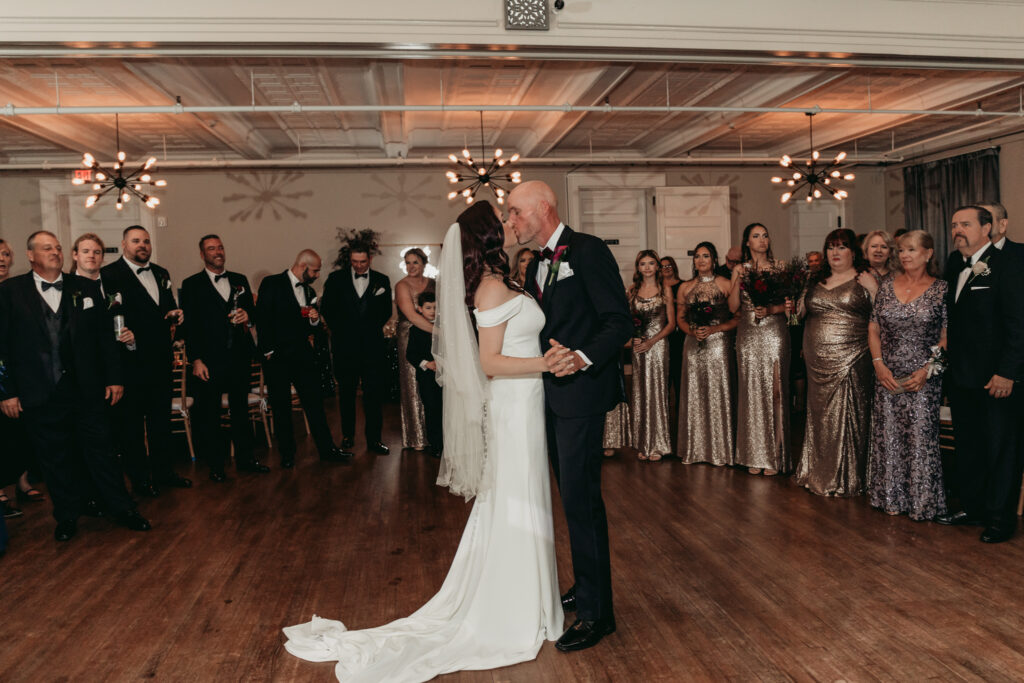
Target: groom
point(577, 283)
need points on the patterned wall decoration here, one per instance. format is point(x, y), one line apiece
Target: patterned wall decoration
point(273, 193)
point(395, 195)
point(730, 180)
point(526, 15)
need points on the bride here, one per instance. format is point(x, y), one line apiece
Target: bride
point(500, 600)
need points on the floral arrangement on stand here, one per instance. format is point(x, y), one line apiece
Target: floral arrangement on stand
point(367, 237)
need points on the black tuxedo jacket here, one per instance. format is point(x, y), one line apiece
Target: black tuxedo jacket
point(280, 327)
point(88, 350)
point(357, 323)
point(986, 325)
point(209, 335)
point(419, 347)
point(588, 312)
point(143, 316)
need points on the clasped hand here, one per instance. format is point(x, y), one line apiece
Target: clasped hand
point(999, 387)
point(562, 361)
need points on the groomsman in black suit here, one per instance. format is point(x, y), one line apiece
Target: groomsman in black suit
point(287, 320)
point(357, 304)
point(59, 366)
point(220, 310)
point(986, 359)
point(1000, 222)
point(577, 283)
point(149, 309)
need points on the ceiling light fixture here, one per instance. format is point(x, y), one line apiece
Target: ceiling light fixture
point(124, 186)
point(478, 175)
point(817, 179)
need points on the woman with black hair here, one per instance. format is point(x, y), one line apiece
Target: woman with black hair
point(762, 364)
point(707, 416)
point(840, 378)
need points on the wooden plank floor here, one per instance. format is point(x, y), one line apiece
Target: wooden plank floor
point(718, 575)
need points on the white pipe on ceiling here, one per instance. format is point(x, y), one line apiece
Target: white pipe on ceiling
point(296, 108)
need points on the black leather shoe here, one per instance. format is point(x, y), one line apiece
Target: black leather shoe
point(148, 490)
point(378, 447)
point(287, 461)
point(958, 519)
point(176, 481)
point(347, 442)
point(92, 508)
point(253, 466)
point(134, 521)
point(217, 477)
point(65, 531)
point(996, 534)
point(569, 600)
point(584, 634)
point(337, 455)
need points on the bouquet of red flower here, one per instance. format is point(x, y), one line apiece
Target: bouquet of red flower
point(765, 287)
point(797, 273)
point(704, 313)
point(638, 327)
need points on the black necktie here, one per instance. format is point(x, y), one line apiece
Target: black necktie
point(58, 285)
point(359, 275)
point(218, 278)
point(140, 271)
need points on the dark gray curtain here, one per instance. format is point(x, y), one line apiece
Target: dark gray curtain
point(932, 191)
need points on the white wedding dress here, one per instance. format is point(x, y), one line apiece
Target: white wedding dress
point(500, 600)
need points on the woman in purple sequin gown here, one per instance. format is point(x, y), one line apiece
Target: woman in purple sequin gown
point(909, 318)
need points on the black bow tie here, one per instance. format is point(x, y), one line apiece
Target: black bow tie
point(140, 271)
point(547, 254)
point(218, 278)
point(299, 284)
point(364, 275)
point(58, 285)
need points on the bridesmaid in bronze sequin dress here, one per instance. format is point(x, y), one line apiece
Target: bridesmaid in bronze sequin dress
point(762, 366)
point(414, 428)
point(650, 302)
point(707, 417)
point(840, 379)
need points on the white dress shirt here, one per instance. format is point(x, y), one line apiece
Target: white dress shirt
point(52, 295)
point(1000, 244)
point(966, 272)
point(300, 292)
point(360, 283)
point(545, 264)
point(222, 286)
point(146, 277)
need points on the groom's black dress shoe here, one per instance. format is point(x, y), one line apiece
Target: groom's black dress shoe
point(584, 634)
point(218, 476)
point(65, 530)
point(569, 600)
point(134, 521)
point(252, 466)
point(997, 532)
point(958, 519)
point(378, 447)
point(336, 455)
point(176, 481)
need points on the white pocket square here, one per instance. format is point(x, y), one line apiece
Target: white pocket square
point(380, 290)
point(565, 271)
point(86, 303)
point(974, 288)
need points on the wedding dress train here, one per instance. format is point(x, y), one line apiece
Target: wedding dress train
point(500, 600)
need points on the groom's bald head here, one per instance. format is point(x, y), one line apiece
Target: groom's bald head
point(533, 212)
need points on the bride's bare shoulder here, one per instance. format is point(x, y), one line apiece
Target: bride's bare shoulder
point(491, 293)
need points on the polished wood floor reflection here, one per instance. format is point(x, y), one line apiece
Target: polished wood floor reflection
point(718, 575)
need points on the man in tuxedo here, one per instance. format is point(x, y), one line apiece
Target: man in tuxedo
point(149, 310)
point(287, 320)
point(986, 358)
point(580, 290)
point(59, 365)
point(220, 309)
point(1000, 222)
point(357, 304)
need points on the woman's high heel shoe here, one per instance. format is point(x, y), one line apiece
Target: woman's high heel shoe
point(30, 496)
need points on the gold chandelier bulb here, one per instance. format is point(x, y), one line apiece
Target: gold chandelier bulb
point(776, 179)
point(786, 196)
point(121, 156)
point(840, 157)
point(161, 183)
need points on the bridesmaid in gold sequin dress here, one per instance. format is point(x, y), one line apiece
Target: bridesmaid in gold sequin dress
point(762, 366)
point(414, 430)
point(707, 417)
point(840, 378)
point(650, 302)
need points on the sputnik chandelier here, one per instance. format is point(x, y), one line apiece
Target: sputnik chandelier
point(817, 179)
point(123, 186)
point(478, 175)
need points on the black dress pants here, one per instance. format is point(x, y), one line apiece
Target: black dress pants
point(300, 371)
point(143, 418)
point(71, 438)
point(211, 440)
point(350, 371)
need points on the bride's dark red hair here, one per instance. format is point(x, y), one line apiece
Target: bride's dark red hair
point(483, 247)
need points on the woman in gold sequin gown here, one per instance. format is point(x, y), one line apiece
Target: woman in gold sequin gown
point(762, 367)
point(707, 417)
point(414, 427)
point(650, 302)
point(840, 378)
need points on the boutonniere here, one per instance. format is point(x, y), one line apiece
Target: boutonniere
point(556, 262)
point(114, 300)
point(981, 269)
point(75, 295)
point(166, 284)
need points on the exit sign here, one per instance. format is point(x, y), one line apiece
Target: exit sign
point(84, 174)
